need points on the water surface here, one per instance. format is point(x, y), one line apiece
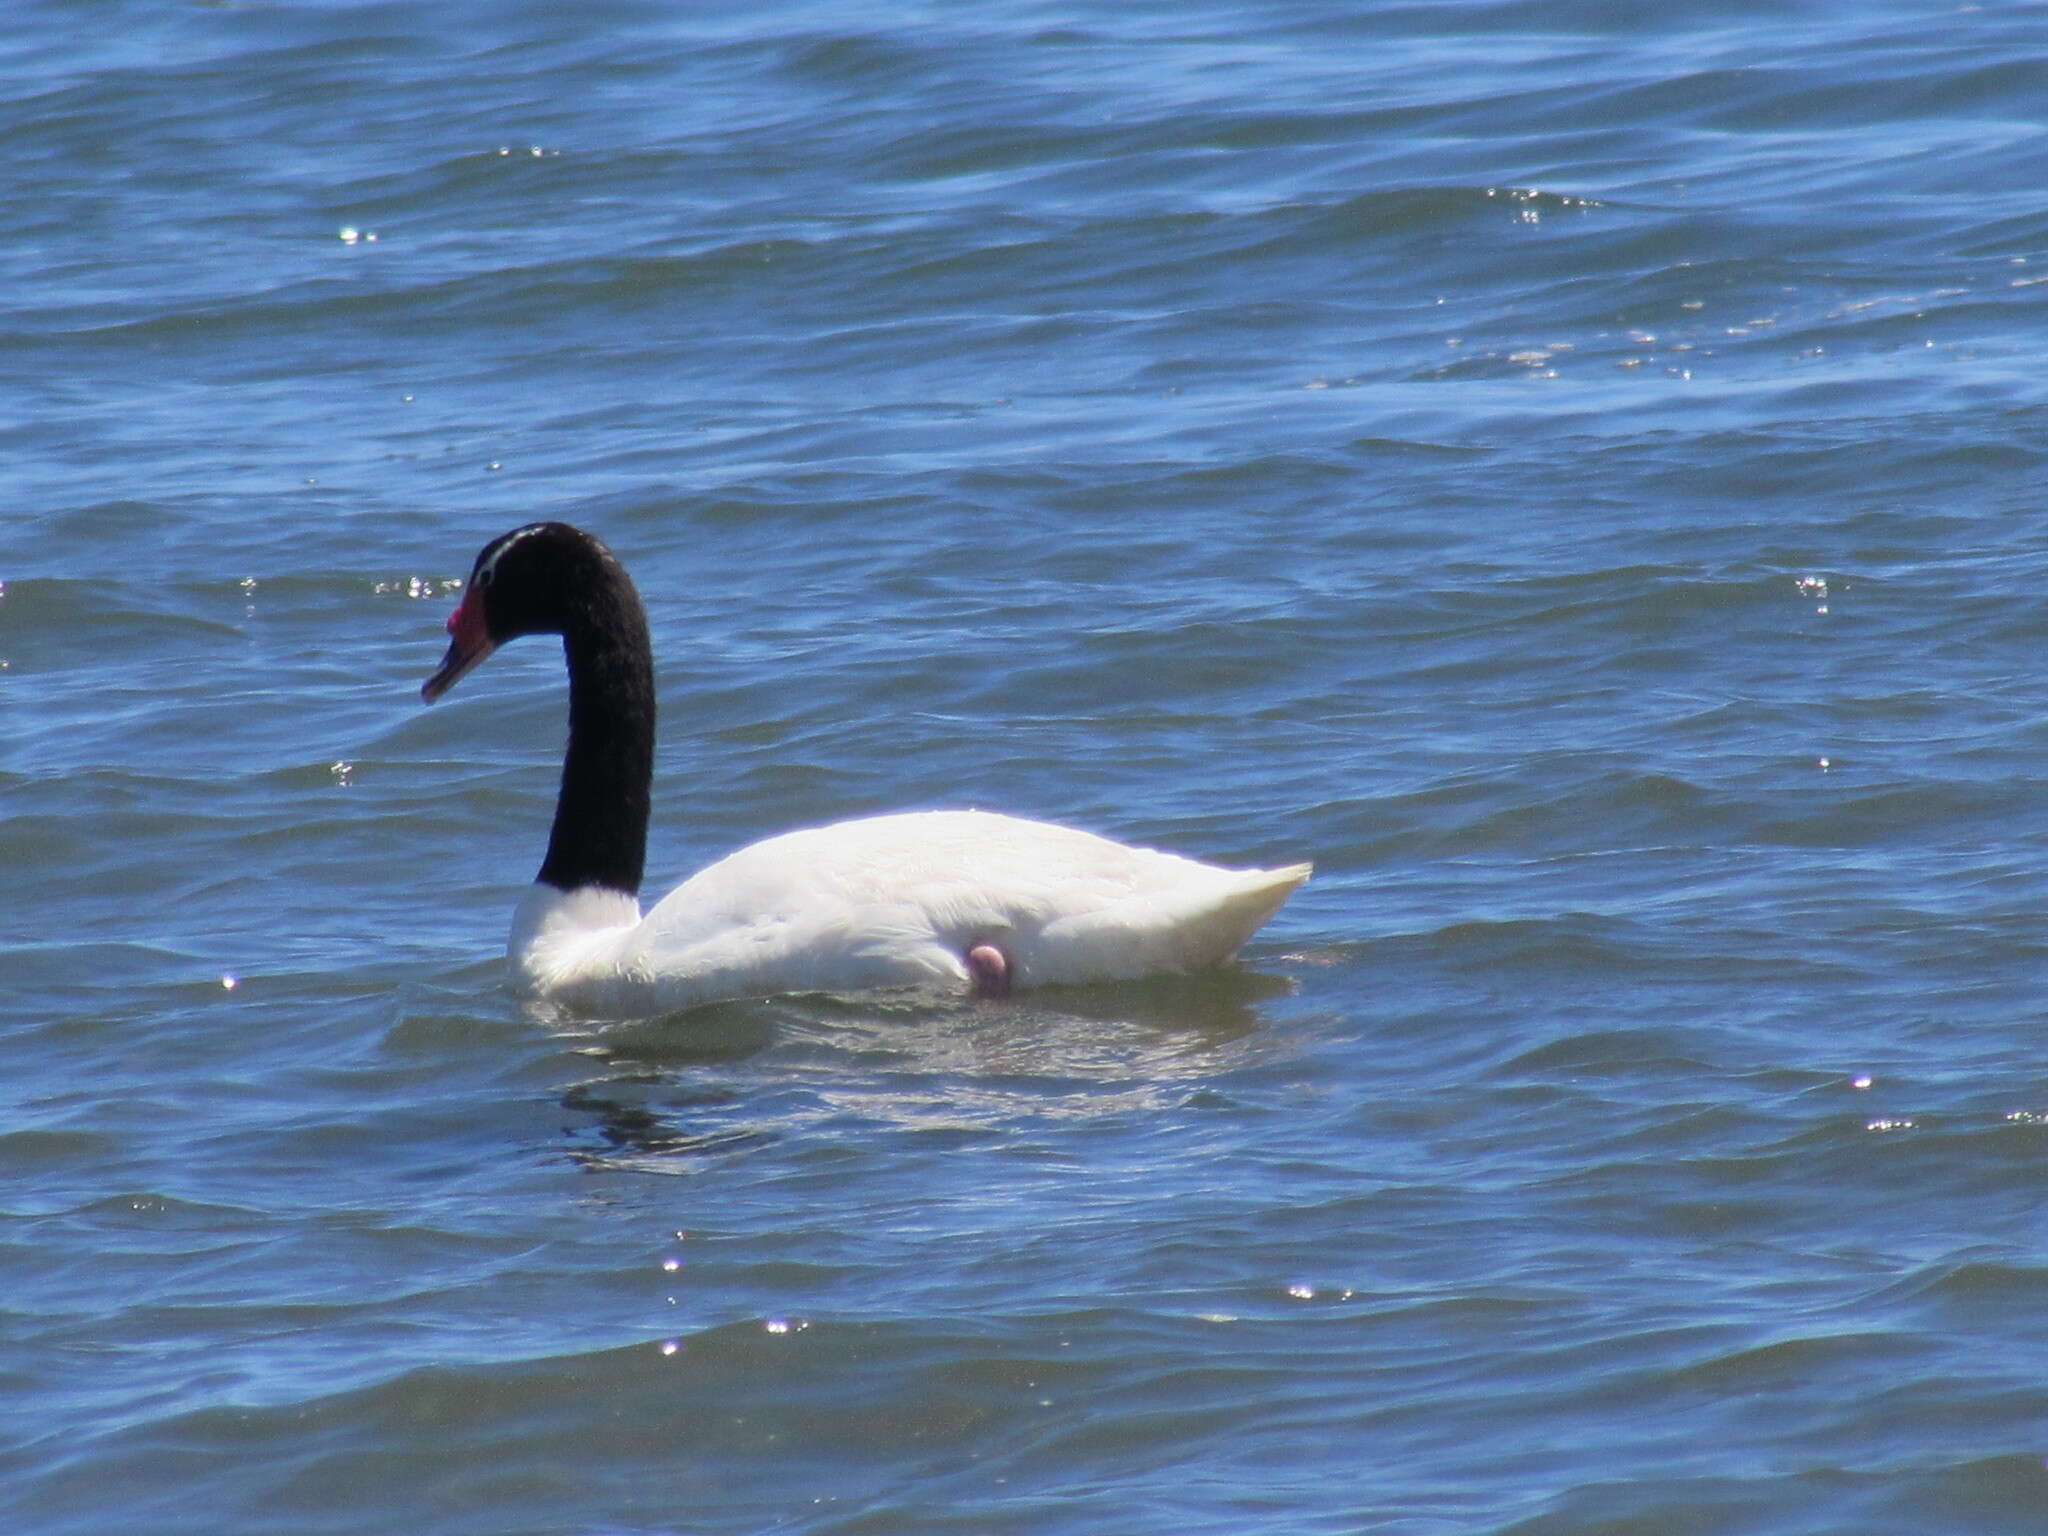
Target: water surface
point(1570, 470)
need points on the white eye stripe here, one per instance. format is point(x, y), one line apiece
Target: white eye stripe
point(487, 563)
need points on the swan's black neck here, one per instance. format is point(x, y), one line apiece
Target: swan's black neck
point(600, 831)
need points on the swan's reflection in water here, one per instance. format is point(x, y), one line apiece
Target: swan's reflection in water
point(730, 1078)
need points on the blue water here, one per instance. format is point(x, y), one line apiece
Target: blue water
point(1572, 470)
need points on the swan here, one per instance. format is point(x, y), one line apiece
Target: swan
point(967, 899)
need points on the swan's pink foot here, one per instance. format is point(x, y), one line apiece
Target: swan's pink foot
point(988, 970)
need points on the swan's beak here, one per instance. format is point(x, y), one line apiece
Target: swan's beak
point(469, 643)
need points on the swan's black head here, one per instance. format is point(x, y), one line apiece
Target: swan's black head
point(543, 579)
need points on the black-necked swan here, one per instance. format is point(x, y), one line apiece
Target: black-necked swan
point(967, 898)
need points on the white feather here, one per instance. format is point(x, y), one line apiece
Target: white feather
point(893, 901)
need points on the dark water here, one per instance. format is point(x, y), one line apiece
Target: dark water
point(1572, 470)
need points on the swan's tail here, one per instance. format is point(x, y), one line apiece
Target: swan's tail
point(1218, 928)
point(1199, 925)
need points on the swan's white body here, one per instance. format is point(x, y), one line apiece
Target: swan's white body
point(893, 901)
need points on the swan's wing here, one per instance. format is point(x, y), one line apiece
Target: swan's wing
point(889, 900)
